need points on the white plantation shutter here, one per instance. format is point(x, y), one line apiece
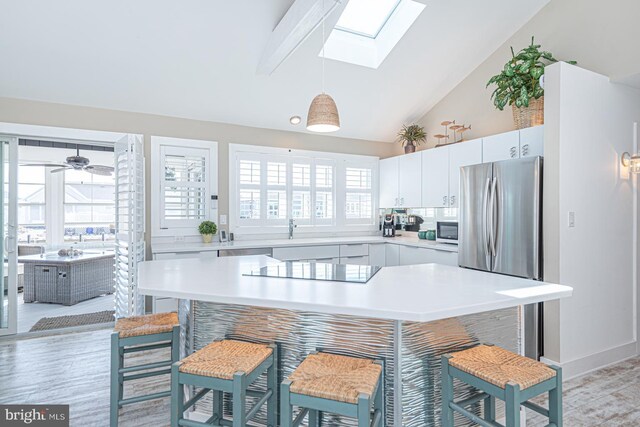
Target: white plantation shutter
point(359, 202)
point(184, 199)
point(129, 224)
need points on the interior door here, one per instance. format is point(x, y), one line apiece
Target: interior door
point(473, 232)
point(8, 238)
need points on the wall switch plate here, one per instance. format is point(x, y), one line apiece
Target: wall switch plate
point(179, 238)
point(223, 220)
point(572, 219)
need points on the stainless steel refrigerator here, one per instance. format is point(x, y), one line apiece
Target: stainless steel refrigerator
point(501, 227)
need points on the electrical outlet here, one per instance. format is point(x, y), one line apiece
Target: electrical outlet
point(179, 238)
point(572, 219)
point(223, 220)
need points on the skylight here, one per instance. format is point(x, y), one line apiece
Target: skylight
point(368, 30)
point(366, 17)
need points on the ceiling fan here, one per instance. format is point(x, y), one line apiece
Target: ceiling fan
point(77, 162)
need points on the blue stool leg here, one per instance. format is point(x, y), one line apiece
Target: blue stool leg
point(313, 418)
point(239, 398)
point(378, 400)
point(285, 404)
point(447, 393)
point(364, 412)
point(490, 408)
point(272, 384)
point(177, 396)
point(115, 380)
point(555, 399)
point(217, 406)
point(512, 405)
point(175, 344)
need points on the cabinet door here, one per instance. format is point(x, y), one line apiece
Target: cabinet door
point(411, 255)
point(377, 255)
point(355, 260)
point(389, 183)
point(504, 146)
point(462, 154)
point(444, 257)
point(392, 255)
point(409, 181)
point(532, 141)
point(435, 177)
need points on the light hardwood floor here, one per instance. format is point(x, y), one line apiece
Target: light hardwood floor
point(73, 369)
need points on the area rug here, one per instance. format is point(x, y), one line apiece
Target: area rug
point(47, 323)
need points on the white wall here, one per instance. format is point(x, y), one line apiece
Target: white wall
point(589, 124)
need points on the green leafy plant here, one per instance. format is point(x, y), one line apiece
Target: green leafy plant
point(208, 227)
point(412, 134)
point(519, 80)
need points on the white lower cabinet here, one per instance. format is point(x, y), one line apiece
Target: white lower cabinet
point(355, 260)
point(306, 253)
point(377, 254)
point(412, 255)
point(392, 255)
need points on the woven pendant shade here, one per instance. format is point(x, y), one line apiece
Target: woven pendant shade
point(323, 114)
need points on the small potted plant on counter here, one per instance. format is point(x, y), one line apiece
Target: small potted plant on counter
point(410, 137)
point(518, 85)
point(207, 229)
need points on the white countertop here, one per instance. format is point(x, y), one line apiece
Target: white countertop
point(54, 258)
point(421, 293)
point(407, 239)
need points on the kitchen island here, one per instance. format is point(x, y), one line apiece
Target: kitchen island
point(407, 315)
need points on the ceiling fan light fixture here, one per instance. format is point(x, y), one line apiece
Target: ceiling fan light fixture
point(323, 115)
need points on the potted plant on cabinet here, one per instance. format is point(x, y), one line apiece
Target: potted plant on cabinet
point(411, 136)
point(518, 85)
point(207, 229)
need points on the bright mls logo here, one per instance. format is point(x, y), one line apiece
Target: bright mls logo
point(34, 415)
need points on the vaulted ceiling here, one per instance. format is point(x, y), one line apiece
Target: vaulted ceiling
point(197, 59)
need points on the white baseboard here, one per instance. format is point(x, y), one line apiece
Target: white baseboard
point(584, 365)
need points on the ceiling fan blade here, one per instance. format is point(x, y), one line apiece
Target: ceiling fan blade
point(48, 165)
point(99, 170)
point(66, 168)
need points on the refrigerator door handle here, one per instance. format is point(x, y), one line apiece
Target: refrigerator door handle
point(494, 214)
point(485, 220)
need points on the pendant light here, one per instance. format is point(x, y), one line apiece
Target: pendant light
point(323, 112)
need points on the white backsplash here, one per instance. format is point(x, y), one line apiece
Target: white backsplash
point(430, 215)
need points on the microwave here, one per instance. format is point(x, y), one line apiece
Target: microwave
point(447, 232)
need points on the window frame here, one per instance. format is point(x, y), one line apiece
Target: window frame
point(338, 162)
point(182, 227)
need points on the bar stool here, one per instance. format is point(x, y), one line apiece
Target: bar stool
point(141, 333)
point(342, 385)
point(226, 366)
point(503, 375)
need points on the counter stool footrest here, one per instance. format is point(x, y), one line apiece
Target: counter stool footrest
point(146, 375)
point(145, 367)
point(298, 420)
point(473, 417)
point(195, 398)
point(192, 423)
point(253, 411)
point(539, 409)
point(144, 398)
point(473, 399)
point(377, 419)
point(147, 347)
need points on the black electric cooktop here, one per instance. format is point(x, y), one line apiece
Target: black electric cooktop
point(318, 271)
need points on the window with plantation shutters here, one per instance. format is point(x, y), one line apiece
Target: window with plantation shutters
point(359, 194)
point(269, 186)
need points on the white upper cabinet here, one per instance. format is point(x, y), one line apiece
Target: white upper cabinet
point(462, 154)
point(389, 183)
point(435, 177)
point(504, 146)
point(532, 141)
point(410, 184)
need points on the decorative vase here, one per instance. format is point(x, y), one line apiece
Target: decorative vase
point(207, 238)
point(533, 115)
point(422, 235)
point(409, 148)
point(431, 235)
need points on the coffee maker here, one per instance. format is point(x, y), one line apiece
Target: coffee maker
point(389, 225)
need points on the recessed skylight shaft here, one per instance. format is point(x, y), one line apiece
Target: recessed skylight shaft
point(366, 17)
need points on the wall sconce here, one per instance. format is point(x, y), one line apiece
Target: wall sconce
point(632, 162)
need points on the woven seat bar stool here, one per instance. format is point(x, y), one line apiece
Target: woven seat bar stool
point(342, 385)
point(501, 374)
point(226, 366)
point(135, 334)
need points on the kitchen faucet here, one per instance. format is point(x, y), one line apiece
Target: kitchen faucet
point(292, 225)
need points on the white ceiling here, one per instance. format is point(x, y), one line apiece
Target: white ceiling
point(197, 59)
